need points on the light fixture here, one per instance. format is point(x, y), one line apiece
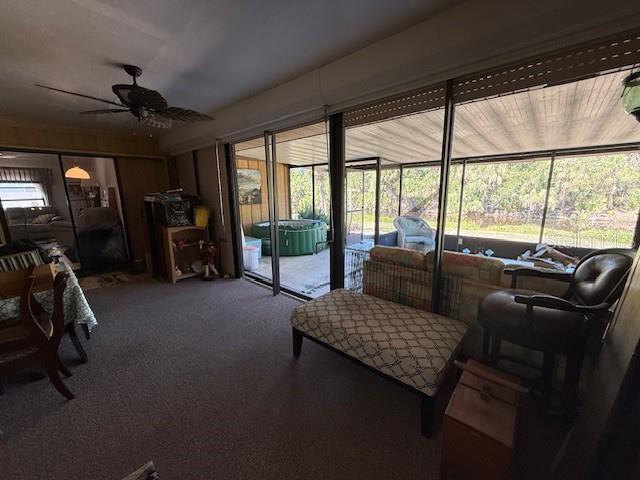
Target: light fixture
point(77, 172)
point(631, 95)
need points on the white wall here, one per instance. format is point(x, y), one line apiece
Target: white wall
point(470, 37)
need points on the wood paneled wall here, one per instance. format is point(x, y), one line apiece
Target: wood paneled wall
point(137, 177)
point(251, 214)
point(75, 140)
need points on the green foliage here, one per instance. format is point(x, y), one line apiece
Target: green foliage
point(590, 197)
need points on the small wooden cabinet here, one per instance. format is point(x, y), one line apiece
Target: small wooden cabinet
point(479, 428)
point(182, 250)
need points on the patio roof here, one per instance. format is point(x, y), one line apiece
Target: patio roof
point(578, 114)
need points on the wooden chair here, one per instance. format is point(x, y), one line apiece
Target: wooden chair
point(36, 338)
point(11, 282)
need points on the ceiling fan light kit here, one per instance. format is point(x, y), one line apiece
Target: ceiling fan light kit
point(148, 106)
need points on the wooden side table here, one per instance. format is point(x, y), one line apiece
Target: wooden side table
point(479, 426)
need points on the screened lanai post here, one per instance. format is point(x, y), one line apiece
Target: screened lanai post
point(445, 164)
point(376, 231)
point(336, 176)
point(269, 155)
point(464, 170)
point(234, 209)
point(313, 191)
point(636, 233)
point(546, 197)
point(400, 192)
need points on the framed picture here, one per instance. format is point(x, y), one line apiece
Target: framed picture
point(249, 186)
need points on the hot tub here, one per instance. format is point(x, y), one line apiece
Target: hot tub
point(297, 237)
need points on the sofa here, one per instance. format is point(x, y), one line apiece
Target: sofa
point(31, 223)
point(406, 277)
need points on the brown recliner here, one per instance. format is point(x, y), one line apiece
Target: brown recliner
point(556, 325)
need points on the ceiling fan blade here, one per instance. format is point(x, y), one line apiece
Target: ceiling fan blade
point(106, 110)
point(184, 114)
point(79, 95)
point(156, 120)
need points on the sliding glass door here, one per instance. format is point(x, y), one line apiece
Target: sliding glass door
point(284, 198)
point(67, 206)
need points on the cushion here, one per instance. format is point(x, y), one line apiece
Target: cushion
point(410, 345)
point(42, 219)
point(398, 256)
point(419, 239)
point(503, 317)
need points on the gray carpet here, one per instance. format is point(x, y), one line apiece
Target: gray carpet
point(199, 378)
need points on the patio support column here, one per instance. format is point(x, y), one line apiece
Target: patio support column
point(445, 164)
point(234, 209)
point(336, 176)
point(546, 197)
point(400, 192)
point(376, 231)
point(313, 191)
point(464, 171)
point(270, 157)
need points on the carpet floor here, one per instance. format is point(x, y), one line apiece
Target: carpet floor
point(199, 378)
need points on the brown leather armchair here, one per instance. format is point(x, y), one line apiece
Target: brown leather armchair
point(556, 325)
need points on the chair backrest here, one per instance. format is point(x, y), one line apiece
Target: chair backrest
point(12, 282)
point(600, 276)
point(411, 225)
point(57, 316)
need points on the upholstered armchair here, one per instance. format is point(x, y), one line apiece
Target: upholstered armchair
point(556, 325)
point(414, 233)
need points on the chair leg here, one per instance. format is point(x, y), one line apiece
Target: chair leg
point(427, 415)
point(548, 364)
point(71, 331)
point(63, 369)
point(51, 367)
point(495, 351)
point(572, 381)
point(486, 346)
point(297, 342)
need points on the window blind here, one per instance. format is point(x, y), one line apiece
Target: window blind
point(555, 68)
point(419, 100)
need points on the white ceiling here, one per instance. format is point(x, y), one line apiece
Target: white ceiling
point(200, 54)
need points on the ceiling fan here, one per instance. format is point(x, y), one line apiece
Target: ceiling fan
point(148, 106)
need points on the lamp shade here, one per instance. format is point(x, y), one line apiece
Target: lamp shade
point(77, 172)
point(631, 95)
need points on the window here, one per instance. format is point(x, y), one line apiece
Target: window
point(594, 201)
point(22, 195)
point(504, 200)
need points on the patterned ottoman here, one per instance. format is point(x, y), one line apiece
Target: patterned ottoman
point(413, 347)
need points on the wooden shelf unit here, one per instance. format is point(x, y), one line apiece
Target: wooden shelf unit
point(185, 256)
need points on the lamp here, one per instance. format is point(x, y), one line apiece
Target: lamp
point(77, 172)
point(631, 95)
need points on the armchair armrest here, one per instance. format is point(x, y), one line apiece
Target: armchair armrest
point(536, 272)
point(549, 301)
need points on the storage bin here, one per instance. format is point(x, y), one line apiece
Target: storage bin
point(250, 258)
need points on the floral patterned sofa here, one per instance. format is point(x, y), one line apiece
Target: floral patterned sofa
point(405, 276)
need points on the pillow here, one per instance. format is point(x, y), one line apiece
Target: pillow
point(42, 219)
